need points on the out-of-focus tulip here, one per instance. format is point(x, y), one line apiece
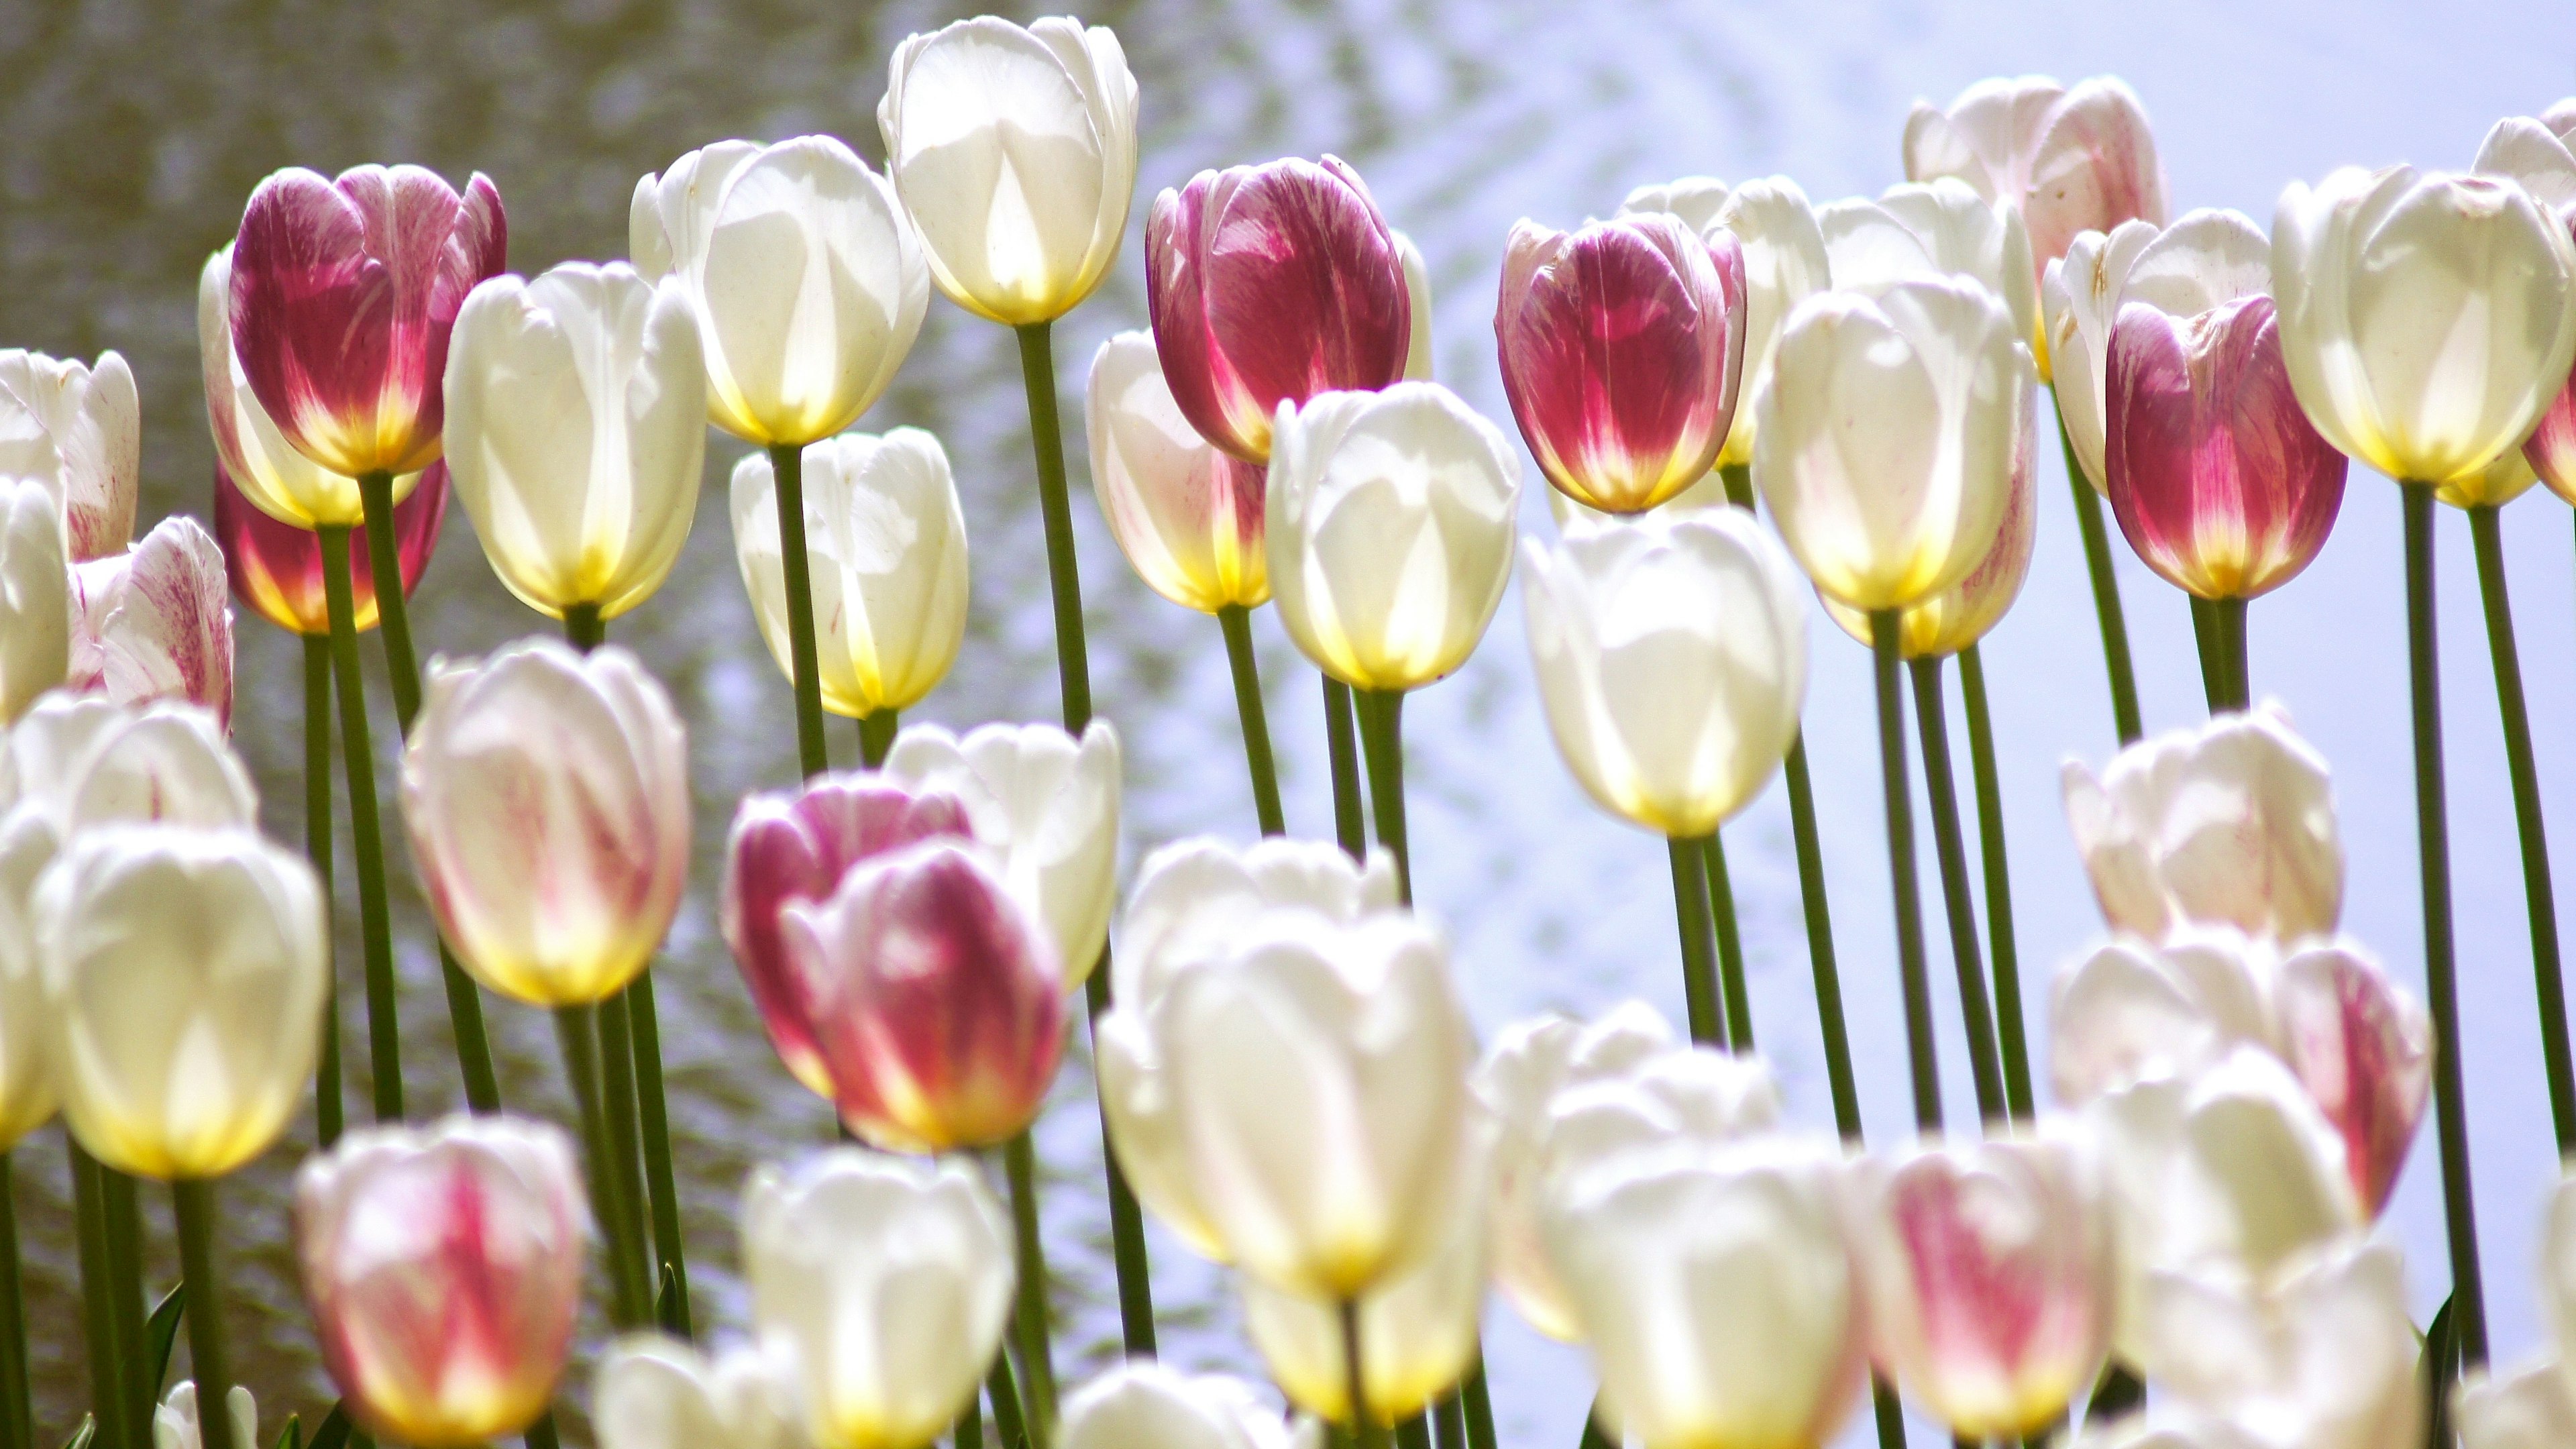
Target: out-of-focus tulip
point(185, 970)
point(1622, 348)
point(1784, 265)
point(1269, 285)
point(2558, 1263)
point(1417, 296)
point(1187, 514)
point(1891, 515)
point(547, 794)
point(576, 432)
point(2531, 1407)
point(1672, 657)
point(2132, 1012)
point(2168, 1427)
point(1760, 1341)
point(343, 294)
point(1142, 1404)
point(1965, 612)
point(806, 277)
point(2325, 1358)
point(1694, 200)
point(35, 599)
point(658, 1392)
point(2427, 320)
point(853, 1258)
point(77, 431)
point(2232, 824)
point(276, 568)
point(1990, 1280)
point(2364, 1050)
point(152, 622)
point(1390, 524)
point(885, 552)
point(2538, 154)
point(79, 760)
point(2068, 160)
point(1940, 229)
point(27, 1095)
point(443, 1267)
point(1014, 150)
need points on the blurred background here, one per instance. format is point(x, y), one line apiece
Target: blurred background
point(136, 130)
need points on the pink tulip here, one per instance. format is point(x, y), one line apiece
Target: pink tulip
point(343, 293)
point(1622, 349)
point(151, 622)
point(1269, 284)
point(938, 1007)
point(2363, 1049)
point(2071, 160)
point(793, 848)
point(2220, 482)
point(276, 568)
point(443, 1268)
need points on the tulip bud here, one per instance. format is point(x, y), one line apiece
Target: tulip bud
point(2325, 1358)
point(151, 622)
point(1014, 151)
point(1672, 657)
point(75, 430)
point(1142, 1404)
point(547, 794)
point(35, 599)
point(1390, 519)
point(443, 1267)
point(806, 278)
point(2532, 1407)
point(2069, 161)
point(885, 557)
point(175, 1424)
point(276, 568)
point(343, 294)
point(185, 969)
point(1892, 515)
point(1268, 285)
point(849, 1256)
point(1784, 264)
point(1187, 514)
point(658, 1392)
point(575, 431)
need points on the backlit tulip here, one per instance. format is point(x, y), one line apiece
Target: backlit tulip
point(1622, 348)
point(1672, 657)
point(1938, 229)
point(2427, 320)
point(76, 430)
point(1142, 1404)
point(343, 294)
point(2131, 1011)
point(2532, 1407)
point(1784, 264)
point(2324, 1358)
point(152, 622)
point(1390, 520)
point(2537, 153)
point(35, 599)
point(885, 551)
point(576, 432)
point(935, 1006)
point(27, 1096)
point(547, 795)
point(79, 760)
point(443, 1266)
point(1990, 1280)
point(1694, 200)
point(185, 969)
point(1719, 1295)
point(175, 1424)
point(658, 1392)
point(1015, 152)
point(807, 280)
point(2229, 824)
point(1891, 515)
point(1268, 285)
point(885, 1283)
point(2069, 160)
point(276, 568)
point(1187, 514)
point(1965, 612)
point(2364, 1050)
point(1417, 296)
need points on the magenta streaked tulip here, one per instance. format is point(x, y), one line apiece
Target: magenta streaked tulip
point(793, 847)
point(2218, 479)
point(1271, 284)
point(276, 568)
point(2363, 1048)
point(443, 1267)
point(78, 431)
point(2070, 160)
point(151, 622)
point(1622, 347)
point(938, 1007)
point(343, 293)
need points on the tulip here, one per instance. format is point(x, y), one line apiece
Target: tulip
point(1142, 1404)
point(1417, 296)
point(276, 568)
point(75, 761)
point(443, 1267)
point(2324, 1359)
point(885, 545)
point(885, 1283)
point(1719, 1295)
point(2537, 153)
point(1672, 657)
point(1961, 615)
point(2132, 1012)
point(574, 432)
point(1784, 264)
point(1892, 516)
point(1014, 151)
point(27, 1095)
point(1693, 200)
point(35, 599)
point(2166, 1428)
point(1990, 1278)
point(76, 430)
point(1187, 514)
point(1622, 348)
point(2364, 1050)
point(2558, 1263)
point(2532, 1407)
point(175, 1424)
point(1268, 285)
point(2068, 161)
point(185, 970)
point(1931, 230)
point(342, 296)
point(1390, 524)
point(937, 1010)
point(657, 1392)
point(547, 794)
point(151, 622)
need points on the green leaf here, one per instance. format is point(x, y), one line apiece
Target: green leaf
point(334, 1433)
point(162, 1332)
point(670, 1310)
point(292, 1436)
point(88, 1430)
point(2440, 1367)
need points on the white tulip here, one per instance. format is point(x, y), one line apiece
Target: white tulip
point(1142, 1404)
point(2132, 1012)
point(75, 430)
point(2324, 1358)
point(1697, 200)
point(2531, 1407)
point(1187, 514)
point(1784, 265)
point(2558, 1265)
point(175, 1424)
point(79, 760)
point(35, 598)
point(156, 621)
point(1417, 293)
point(657, 1392)
point(27, 1027)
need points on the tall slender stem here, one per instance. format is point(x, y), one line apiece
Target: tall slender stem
point(1237, 622)
point(2211, 652)
point(357, 755)
point(1037, 1358)
point(1999, 910)
point(1912, 973)
point(969, 1430)
point(108, 1363)
point(2450, 1108)
point(1932, 723)
point(630, 1291)
point(1126, 1220)
point(2227, 620)
point(1730, 946)
point(194, 1201)
point(1365, 1427)
point(622, 1114)
point(2106, 592)
point(876, 736)
point(787, 470)
point(1699, 971)
point(317, 848)
point(1381, 714)
point(17, 1421)
point(1479, 1405)
point(125, 1276)
point(1341, 742)
point(1002, 1391)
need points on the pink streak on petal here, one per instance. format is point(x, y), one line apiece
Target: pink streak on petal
point(1979, 1309)
point(2366, 1064)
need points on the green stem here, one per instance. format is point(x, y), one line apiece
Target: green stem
point(2227, 619)
point(1730, 946)
point(1037, 1359)
point(1414, 1433)
point(1364, 1424)
point(125, 1276)
point(357, 755)
point(1341, 742)
point(1932, 722)
point(2450, 1108)
point(1699, 971)
point(622, 1114)
point(1912, 973)
point(1449, 1417)
point(1738, 478)
point(787, 470)
point(108, 1363)
point(17, 1417)
point(1480, 1405)
point(1003, 1391)
point(1126, 1220)
point(1064, 580)
point(208, 1363)
point(1999, 910)
point(630, 1292)
point(1237, 622)
point(969, 1433)
point(2106, 593)
point(542, 1434)
point(1381, 713)
point(584, 629)
point(2212, 653)
point(876, 736)
point(327, 1119)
